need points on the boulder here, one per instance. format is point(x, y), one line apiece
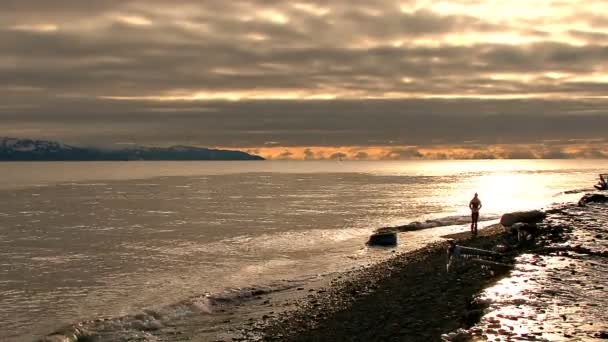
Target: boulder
point(529, 217)
point(383, 239)
point(523, 231)
point(593, 198)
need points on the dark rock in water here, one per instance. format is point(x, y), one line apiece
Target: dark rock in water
point(383, 239)
point(593, 198)
point(533, 216)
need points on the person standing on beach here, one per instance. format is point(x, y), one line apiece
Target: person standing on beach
point(474, 205)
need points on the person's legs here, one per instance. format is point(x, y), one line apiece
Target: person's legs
point(472, 223)
point(475, 218)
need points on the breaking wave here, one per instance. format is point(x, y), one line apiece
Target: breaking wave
point(136, 325)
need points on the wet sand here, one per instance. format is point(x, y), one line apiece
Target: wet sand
point(411, 297)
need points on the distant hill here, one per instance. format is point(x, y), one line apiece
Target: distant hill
point(13, 149)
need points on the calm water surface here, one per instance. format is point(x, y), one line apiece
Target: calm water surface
point(96, 239)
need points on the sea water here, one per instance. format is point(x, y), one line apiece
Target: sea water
point(83, 240)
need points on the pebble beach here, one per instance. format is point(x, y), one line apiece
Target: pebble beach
point(554, 291)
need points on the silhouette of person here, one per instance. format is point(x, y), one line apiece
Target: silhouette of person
point(474, 205)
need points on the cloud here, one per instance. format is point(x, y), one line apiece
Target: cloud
point(306, 73)
point(361, 155)
point(338, 156)
point(403, 153)
point(564, 150)
point(285, 155)
point(312, 123)
point(309, 154)
point(190, 49)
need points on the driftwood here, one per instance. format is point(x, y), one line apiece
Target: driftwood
point(457, 253)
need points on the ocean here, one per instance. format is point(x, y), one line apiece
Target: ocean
point(88, 240)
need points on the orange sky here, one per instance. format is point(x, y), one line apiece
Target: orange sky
point(511, 151)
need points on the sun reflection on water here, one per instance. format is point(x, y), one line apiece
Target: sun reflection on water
point(512, 191)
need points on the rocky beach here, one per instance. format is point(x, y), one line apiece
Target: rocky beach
point(554, 290)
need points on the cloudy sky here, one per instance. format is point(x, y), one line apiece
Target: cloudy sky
point(311, 79)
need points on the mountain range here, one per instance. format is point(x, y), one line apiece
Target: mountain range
point(15, 149)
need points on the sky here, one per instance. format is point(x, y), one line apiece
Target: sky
point(311, 79)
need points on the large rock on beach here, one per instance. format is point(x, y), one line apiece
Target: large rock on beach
point(593, 198)
point(529, 217)
point(383, 239)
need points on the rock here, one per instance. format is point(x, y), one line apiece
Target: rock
point(383, 239)
point(58, 338)
point(602, 335)
point(473, 316)
point(138, 325)
point(54, 338)
point(500, 248)
point(523, 231)
point(154, 325)
point(67, 334)
point(592, 198)
point(529, 217)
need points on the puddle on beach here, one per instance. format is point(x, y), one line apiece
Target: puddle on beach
point(561, 296)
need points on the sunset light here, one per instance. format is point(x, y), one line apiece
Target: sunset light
point(303, 170)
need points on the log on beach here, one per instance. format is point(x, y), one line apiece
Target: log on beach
point(529, 217)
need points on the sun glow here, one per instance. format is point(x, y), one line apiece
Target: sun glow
point(133, 20)
point(273, 16)
point(312, 9)
point(504, 192)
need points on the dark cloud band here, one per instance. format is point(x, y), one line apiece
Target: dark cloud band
point(110, 71)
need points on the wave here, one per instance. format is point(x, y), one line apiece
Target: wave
point(574, 191)
point(126, 328)
point(438, 222)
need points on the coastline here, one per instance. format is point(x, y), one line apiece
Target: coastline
point(411, 297)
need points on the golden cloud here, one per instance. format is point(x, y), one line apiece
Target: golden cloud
point(550, 150)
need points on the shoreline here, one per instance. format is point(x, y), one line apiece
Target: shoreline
point(388, 300)
point(409, 297)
